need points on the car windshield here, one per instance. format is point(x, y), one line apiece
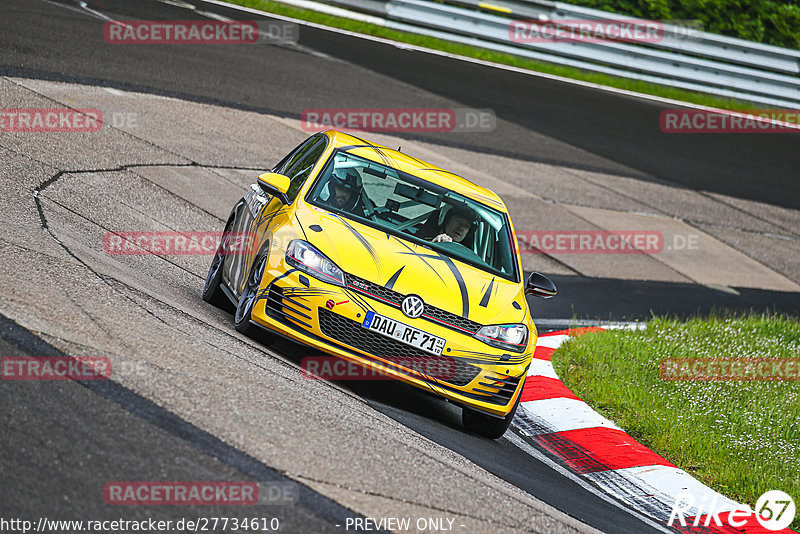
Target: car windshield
point(417, 210)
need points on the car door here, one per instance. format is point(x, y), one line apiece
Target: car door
point(260, 213)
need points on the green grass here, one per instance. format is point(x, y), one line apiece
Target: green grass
point(741, 438)
point(497, 57)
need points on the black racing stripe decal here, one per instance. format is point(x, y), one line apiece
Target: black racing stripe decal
point(422, 257)
point(363, 241)
point(491, 200)
point(300, 225)
point(262, 294)
point(292, 293)
point(456, 274)
point(390, 284)
point(351, 147)
point(386, 159)
point(445, 171)
point(461, 286)
point(517, 356)
point(487, 295)
point(284, 275)
point(267, 218)
point(359, 301)
point(485, 361)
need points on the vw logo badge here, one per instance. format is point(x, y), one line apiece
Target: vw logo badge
point(413, 306)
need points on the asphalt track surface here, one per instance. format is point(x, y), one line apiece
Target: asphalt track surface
point(549, 121)
point(80, 429)
point(609, 299)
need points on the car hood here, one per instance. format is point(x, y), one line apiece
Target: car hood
point(407, 267)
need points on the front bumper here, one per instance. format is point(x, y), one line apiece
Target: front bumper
point(329, 318)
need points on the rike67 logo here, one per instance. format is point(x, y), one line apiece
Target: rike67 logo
point(774, 511)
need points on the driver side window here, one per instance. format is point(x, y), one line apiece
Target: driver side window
point(298, 165)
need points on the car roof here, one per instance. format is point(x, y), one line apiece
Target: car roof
point(416, 167)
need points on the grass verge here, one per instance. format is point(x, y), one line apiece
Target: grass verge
point(742, 438)
point(497, 57)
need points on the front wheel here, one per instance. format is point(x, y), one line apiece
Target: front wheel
point(244, 309)
point(212, 292)
point(486, 425)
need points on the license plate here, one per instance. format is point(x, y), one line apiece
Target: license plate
point(404, 333)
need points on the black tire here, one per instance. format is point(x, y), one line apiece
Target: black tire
point(486, 425)
point(241, 320)
point(212, 292)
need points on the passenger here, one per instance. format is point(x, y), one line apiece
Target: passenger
point(455, 228)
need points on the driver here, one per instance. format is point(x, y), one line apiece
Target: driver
point(344, 191)
point(456, 225)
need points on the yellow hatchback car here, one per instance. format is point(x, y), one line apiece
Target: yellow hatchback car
point(384, 260)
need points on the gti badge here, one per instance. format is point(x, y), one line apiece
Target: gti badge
point(413, 306)
point(360, 285)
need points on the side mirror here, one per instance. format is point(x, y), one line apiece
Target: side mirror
point(539, 285)
point(275, 184)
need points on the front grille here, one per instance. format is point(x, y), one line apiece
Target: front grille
point(353, 334)
point(433, 314)
point(374, 290)
point(446, 318)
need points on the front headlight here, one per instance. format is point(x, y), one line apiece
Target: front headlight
point(302, 255)
point(504, 336)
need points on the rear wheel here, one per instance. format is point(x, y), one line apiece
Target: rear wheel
point(212, 292)
point(486, 425)
point(248, 299)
